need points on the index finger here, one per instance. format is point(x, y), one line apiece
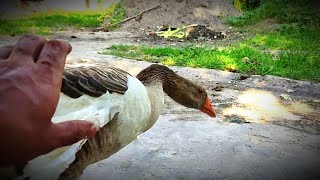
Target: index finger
point(5, 51)
point(53, 57)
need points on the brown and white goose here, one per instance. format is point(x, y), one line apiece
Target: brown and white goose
point(121, 105)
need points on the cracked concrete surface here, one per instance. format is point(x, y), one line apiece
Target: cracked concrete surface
point(273, 139)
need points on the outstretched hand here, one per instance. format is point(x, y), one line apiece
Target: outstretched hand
point(30, 82)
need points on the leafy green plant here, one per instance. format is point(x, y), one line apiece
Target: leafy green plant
point(108, 12)
point(118, 14)
point(285, 11)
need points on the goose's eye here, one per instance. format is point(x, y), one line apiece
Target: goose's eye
point(200, 91)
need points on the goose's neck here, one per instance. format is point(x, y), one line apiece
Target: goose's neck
point(155, 78)
point(171, 83)
point(156, 98)
point(155, 74)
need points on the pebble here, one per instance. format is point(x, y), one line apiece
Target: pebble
point(243, 76)
point(218, 88)
point(316, 101)
point(290, 90)
point(285, 97)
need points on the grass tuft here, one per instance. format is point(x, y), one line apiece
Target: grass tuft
point(115, 15)
point(45, 23)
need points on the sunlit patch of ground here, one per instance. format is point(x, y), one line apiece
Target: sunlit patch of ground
point(261, 106)
point(300, 108)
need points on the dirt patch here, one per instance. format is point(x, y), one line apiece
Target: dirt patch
point(176, 13)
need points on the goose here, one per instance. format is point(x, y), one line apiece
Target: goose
point(120, 105)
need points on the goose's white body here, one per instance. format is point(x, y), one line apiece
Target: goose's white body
point(137, 109)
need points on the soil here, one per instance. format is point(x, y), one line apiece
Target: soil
point(175, 13)
point(257, 134)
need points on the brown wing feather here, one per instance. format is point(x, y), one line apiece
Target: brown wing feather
point(93, 81)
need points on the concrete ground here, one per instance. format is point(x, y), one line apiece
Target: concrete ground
point(256, 135)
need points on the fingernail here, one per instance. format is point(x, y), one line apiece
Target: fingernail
point(60, 45)
point(91, 131)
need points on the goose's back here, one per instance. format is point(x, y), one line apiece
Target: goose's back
point(119, 113)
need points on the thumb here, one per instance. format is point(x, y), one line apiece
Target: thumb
point(69, 132)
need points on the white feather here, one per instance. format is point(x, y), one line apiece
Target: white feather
point(134, 109)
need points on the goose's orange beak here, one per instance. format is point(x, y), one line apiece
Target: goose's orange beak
point(208, 109)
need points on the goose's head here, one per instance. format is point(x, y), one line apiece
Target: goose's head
point(178, 88)
point(188, 94)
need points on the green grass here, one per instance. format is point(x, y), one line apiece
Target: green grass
point(289, 52)
point(45, 23)
point(285, 11)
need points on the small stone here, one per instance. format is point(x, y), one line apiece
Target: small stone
point(85, 61)
point(73, 36)
point(243, 76)
point(218, 88)
point(204, 4)
point(290, 90)
point(223, 34)
point(285, 97)
point(316, 101)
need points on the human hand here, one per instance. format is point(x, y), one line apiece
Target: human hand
point(30, 82)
